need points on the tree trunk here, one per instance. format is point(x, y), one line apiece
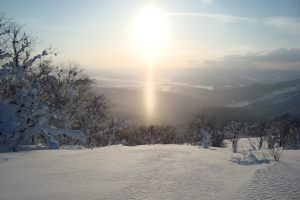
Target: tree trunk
point(234, 146)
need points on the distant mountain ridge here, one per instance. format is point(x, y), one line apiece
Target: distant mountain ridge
point(177, 103)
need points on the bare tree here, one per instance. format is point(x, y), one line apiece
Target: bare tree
point(234, 131)
point(153, 134)
point(258, 131)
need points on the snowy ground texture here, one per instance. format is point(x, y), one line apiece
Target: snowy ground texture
point(144, 172)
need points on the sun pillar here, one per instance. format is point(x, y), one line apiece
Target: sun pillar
point(150, 89)
point(150, 30)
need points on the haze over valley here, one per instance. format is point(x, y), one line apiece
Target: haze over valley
point(249, 94)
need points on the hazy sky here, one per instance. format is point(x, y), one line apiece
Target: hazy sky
point(98, 33)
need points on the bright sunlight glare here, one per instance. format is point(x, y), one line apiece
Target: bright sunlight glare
point(149, 35)
point(150, 31)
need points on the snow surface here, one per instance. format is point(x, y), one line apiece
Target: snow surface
point(144, 172)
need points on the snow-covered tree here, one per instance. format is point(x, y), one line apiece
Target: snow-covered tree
point(217, 138)
point(206, 137)
point(282, 129)
point(77, 106)
point(200, 121)
point(92, 119)
point(113, 128)
point(24, 75)
point(294, 138)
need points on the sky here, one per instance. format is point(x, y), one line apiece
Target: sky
point(199, 33)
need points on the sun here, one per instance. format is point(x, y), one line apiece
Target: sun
point(150, 30)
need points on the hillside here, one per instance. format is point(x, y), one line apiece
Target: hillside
point(179, 104)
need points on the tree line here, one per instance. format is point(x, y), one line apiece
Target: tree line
point(54, 104)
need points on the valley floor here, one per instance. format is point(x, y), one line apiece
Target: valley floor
point(144, 172)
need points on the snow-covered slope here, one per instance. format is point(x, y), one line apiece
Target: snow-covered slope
point(276, 181)
point(144, 172)
point(277, 96)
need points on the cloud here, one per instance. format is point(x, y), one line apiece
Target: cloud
point(290, 24)
point(217, 16)
point(279, 58)
point(282, 55)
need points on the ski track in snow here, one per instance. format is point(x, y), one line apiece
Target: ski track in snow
point(276, 182)
point(144, 172)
